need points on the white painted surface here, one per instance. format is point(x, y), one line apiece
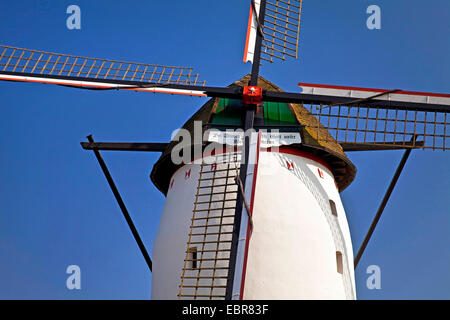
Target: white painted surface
point(292, 251)
point(170, 242)
point(252, 31)
point(400, 96)
point(105, 85)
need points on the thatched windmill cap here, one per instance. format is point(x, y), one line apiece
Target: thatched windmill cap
point(316, 140)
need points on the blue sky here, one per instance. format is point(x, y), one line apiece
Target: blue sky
point(56, 208)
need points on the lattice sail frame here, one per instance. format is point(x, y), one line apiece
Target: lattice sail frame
point(211, 230)
point(18, 60)
point(372, 126)
point(281, 29)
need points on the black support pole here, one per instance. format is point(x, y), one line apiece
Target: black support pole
point(122, 206)
point(258, 45)
point(125, 146)
point(249, 117)
point(382, 206)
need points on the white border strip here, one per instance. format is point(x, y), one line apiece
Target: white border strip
point(423, 98)
point(92, 84)
point(252, 31)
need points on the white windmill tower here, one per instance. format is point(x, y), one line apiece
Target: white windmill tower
point(297, 245)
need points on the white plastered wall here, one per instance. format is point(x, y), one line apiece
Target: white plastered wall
point(292, 251)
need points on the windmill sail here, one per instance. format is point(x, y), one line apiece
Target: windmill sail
point(280, 28)
point(364, 119)
point(252, 30)
point(205, 268)
point(360, 118)
point(17, 64)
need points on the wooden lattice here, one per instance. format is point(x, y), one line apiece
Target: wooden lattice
point(17, 60)
point(205, 271)
point(281, 29)
point(383, 127)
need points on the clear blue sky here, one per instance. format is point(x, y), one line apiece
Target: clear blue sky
point(56, 208)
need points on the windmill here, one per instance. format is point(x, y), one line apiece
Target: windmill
point(348, 113)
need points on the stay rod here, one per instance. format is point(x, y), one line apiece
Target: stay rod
point(122, 206)
point(382, 206)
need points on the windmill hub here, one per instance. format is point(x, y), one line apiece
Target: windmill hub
point(252, 95)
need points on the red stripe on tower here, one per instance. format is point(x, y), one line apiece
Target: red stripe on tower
point(249, 230)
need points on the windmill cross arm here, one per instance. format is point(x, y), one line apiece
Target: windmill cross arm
point(112, 84)
point(25, 65)
point(431, 102)
point(313, 94)
point(327, 100)
point(359, 101)
point(378, 98)
point(258, 22)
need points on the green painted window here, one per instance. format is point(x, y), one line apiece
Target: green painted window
point(229, 111)
point(278, 113)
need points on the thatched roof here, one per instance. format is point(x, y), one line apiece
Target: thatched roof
point(315, 139)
